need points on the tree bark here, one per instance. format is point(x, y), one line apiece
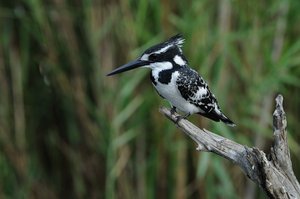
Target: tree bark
point(272, 172)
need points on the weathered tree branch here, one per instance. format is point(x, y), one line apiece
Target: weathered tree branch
point(272, 172)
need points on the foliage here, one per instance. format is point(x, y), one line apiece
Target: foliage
point(68, 131)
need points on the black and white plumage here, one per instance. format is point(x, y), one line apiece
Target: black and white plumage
point(176, 82)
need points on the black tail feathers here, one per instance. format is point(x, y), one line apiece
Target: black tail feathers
point(213, 115)
point(227, 121)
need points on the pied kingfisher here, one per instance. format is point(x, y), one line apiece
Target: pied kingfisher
point(176, 82)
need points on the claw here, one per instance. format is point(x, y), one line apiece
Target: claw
point(173, 110)
point(180, 117)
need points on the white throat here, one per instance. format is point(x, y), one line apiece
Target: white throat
point(158, 67)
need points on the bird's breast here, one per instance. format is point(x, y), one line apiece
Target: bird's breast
point(170, 92)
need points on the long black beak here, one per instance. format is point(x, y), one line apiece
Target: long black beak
point(129, 66)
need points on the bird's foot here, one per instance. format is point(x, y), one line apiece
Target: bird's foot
point(180, 117)
point(173, 110)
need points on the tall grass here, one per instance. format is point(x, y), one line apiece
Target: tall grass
point(68, 131)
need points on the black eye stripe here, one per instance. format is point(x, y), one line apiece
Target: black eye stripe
point(153, 56)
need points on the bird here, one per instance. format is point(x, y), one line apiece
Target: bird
point(176, 82)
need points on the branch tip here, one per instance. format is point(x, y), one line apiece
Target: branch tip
point(279, 119)
point(279, 100)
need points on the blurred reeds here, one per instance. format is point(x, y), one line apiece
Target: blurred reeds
point(68, 131)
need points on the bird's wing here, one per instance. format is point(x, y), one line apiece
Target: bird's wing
point(195, 90)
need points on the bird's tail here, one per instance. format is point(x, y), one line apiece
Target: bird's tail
point(226, 120)
point(217, 116)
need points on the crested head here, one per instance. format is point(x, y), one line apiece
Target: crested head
point(162, 56)
point(168, 51)
point(176, 40)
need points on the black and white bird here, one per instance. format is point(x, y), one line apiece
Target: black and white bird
point(176, 82)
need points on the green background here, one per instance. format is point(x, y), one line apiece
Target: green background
point(68, 131)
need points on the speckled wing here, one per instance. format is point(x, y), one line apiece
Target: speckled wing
point(195, 90)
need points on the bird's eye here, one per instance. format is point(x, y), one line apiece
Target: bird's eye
point(153, 57)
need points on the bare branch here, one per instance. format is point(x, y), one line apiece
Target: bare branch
point(275, 175)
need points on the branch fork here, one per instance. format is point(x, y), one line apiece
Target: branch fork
point(273, 174)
